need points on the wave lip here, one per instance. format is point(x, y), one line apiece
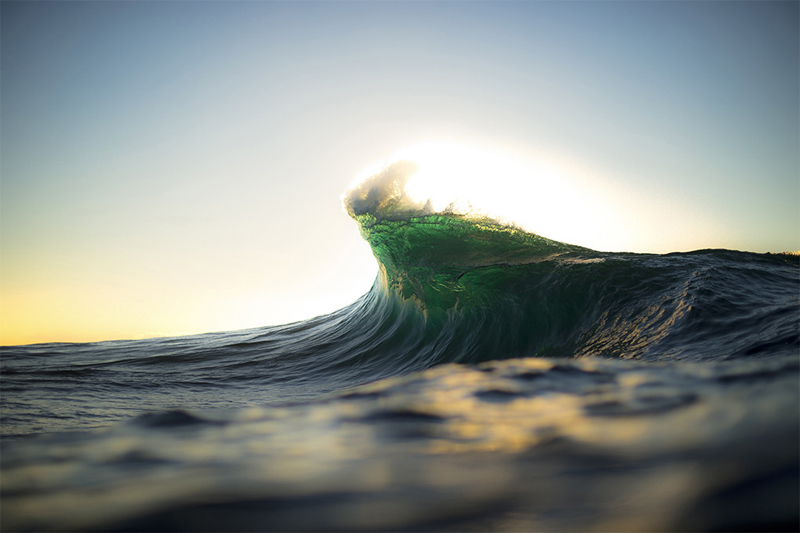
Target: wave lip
point(424, 254)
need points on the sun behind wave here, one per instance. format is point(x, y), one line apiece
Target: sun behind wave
point(437, 177)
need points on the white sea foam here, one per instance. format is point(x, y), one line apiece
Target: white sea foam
point(445, 177)
point(434, 178)
point(384, 193)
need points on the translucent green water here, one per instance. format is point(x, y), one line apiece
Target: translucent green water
point(445, 260)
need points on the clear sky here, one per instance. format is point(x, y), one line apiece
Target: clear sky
point(176, 167)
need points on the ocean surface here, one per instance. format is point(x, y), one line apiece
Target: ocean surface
point(491, 380)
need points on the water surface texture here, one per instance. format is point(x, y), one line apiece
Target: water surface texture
point(491, 379)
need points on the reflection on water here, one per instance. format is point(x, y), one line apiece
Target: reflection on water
point(519, 445)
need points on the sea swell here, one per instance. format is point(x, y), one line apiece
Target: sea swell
point(485, 291)
point(491, 379)
point(451, 288)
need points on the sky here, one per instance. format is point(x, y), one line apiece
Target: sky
point(174, 168)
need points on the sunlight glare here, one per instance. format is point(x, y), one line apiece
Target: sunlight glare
point(511, 188)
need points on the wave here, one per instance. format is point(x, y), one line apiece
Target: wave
point(293, 428)
point(460, 287)
point(474, 289)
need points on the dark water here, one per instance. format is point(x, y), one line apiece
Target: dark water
point(490, 380)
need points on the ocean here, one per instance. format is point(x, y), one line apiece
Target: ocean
point(491, 380)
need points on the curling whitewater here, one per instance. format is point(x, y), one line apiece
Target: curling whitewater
point(491, 379)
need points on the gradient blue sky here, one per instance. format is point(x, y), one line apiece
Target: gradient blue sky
point(175, 167)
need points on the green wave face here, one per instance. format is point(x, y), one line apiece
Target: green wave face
point(441, 260)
